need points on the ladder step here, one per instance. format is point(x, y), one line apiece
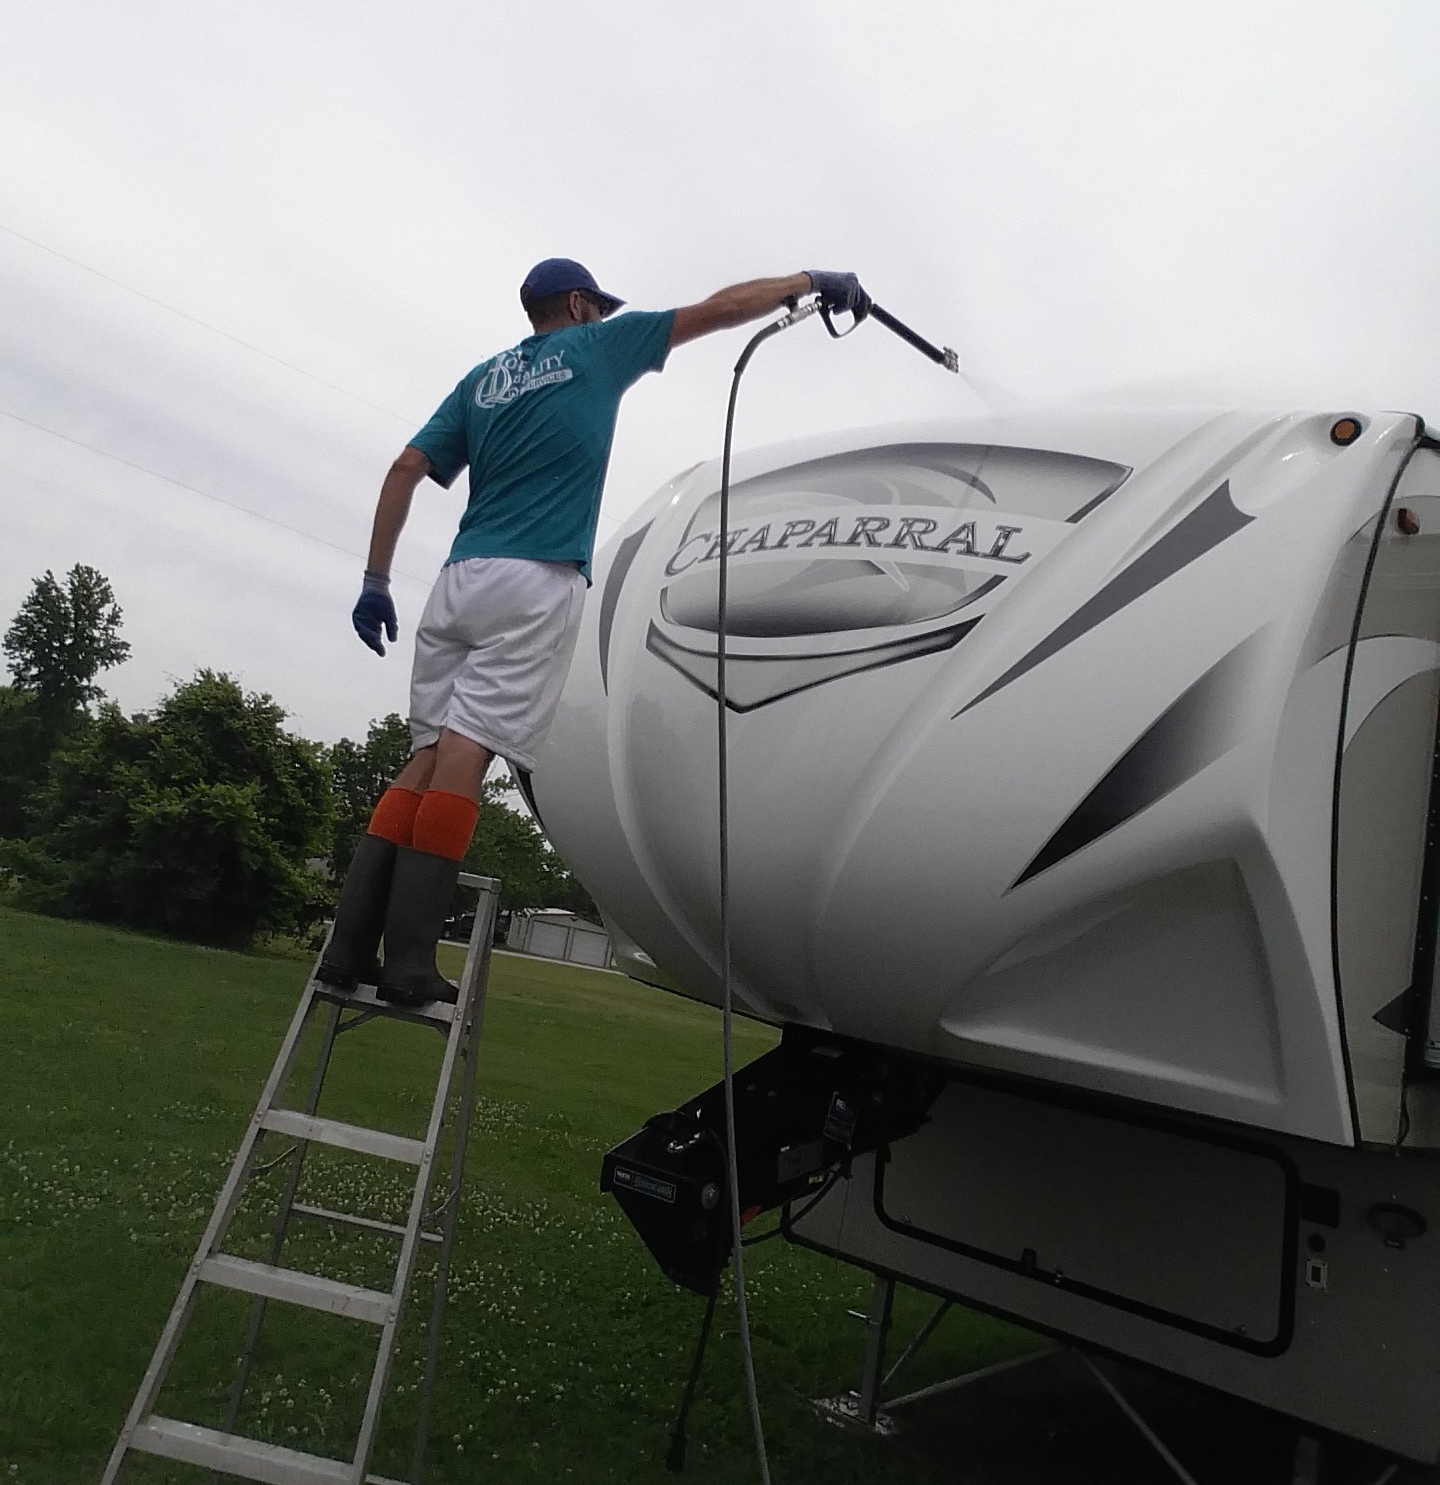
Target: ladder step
point(232, 1455)
point(363, 998)
point(293, 1287)
point(349, 1219)
point(344, 1136)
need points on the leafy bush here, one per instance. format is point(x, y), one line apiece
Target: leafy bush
point(360, 773)
point(200, 819)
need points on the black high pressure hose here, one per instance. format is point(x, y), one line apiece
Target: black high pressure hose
point(944, 357)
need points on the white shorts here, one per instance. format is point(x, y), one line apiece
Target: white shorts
point(492, 652)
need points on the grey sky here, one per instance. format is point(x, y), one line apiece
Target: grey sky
point(1143, 202)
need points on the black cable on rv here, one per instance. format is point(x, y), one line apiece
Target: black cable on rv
point(810, 1203)
point(950, 361)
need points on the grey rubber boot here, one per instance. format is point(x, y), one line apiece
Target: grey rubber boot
point(350, 956)
point(421, 892)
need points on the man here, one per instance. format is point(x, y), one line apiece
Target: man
point(534, 424)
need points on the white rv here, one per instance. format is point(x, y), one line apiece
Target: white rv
point(1080, 826)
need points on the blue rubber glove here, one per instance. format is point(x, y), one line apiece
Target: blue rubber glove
point(374, 611)
point(840, 293)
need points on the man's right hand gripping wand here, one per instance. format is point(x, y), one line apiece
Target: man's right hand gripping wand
point(840, 293)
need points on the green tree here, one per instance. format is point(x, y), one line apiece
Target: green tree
point(509, 845)
point(200, 819)
point(24, 752)
point(63, 637)
point(59, 641)
point(359, 773)
point(569, 892)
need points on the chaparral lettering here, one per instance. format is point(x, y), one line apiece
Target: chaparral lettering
point(865, 529)
point(982, 539)
point(712, 552)
point(1002, 540)
point(907, 534)
point(674, 567)
point(825, 532)
point(793, 528)
point(964, 537)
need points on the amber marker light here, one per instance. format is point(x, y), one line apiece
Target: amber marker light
point(1407, 521)
point(1345, 431)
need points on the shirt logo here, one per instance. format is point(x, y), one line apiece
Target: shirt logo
point(511, 374)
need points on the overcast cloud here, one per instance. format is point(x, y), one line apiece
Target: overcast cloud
point(1133, 202)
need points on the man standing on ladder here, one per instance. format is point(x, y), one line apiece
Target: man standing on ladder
point(534, 424)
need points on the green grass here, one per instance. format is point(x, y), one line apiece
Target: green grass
point(129, 1067)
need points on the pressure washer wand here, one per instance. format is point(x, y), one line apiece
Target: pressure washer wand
point(941, 356)
point(945, 357)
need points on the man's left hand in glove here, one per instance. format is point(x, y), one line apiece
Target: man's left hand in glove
point(374, 612)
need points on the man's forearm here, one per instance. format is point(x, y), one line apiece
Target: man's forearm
point(741, 303)
point(736, 305)
point(391, 509)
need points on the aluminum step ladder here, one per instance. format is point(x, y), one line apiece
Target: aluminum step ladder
point(225, 1451)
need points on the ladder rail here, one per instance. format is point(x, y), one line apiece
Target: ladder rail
point(256, 1318)
point(220, 1219)
point(473, 995)
point(146, 1432)
point(410, 1243)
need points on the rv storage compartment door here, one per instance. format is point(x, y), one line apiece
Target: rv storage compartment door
point(1162, 1222)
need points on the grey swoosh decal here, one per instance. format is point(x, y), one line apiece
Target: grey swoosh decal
point(525, 781)
point(1192, 733)
point(748, 690)
point(1100, 499)
point(614, 581)
point(1210, 523)
point(1394, 1015)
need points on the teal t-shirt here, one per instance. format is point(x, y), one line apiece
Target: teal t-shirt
point(535, 425)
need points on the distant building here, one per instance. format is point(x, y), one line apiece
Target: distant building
point(554, 933)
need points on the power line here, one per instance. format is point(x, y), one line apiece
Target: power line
point(234, 340)
point(205, 325)
point(244, 510)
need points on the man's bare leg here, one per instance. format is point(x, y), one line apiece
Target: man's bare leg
point(417, 772)
point(454, 764)
point(460, 765)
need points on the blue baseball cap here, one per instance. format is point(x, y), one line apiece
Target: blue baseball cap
point(560, 276)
